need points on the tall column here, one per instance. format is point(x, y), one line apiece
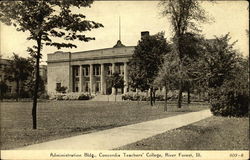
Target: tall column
point(125, 77)
point(91, 78)
point(80, 78)
point(102, 78)
point(70, 75)
point(113, 71)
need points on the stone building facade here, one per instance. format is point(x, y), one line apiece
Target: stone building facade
point(88, 71)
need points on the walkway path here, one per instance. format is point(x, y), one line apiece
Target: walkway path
point(120, 136)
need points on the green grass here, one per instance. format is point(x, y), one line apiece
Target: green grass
point(58, 119)
point(214, 133)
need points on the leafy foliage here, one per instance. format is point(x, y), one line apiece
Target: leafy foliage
point(225, 75)
point(49, 19)
point(19, 70)
point(184, 16)
point(45, 21)
point(115, 80)
point(146, 60)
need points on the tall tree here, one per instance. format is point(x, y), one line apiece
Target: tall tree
point(224, 73)
point(168, 75)
point(47, 21)
point(146, 60)
point(18, 70)
point(184, 16)
point(218, 62)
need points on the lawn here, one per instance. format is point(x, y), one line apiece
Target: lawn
point(214, 133)
point(58, 119)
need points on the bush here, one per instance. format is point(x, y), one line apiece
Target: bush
point(10, 96)
point(61, 89)
point(71, 96)
point(141, 96)
point(44, 96)
point(84, 97)
point(226, 101)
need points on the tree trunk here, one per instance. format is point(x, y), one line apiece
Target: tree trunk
point(115, 94)
point(137, 99)
point(188, 96)
point(17, 90)
point(154, 96)
point(34, 109)
point(166, 98)
point(180, 95)
point(151, 100)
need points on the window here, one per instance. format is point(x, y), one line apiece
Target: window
point(76, 71)
point(76, 87)
point(87, 87)
point(85, 71)
point(97, 70)
point(120, 69)
point(109, 70)
point(98, 86)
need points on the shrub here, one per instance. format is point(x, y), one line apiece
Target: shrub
point(10, 95)
point(141, 96)
point(84, 97)
point(71, 96)
point(61, 89)
point(44, 96)
point(226, 101)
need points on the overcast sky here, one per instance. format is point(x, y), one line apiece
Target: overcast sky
point(137, 16)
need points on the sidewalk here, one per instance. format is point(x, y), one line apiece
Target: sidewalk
point(120, 136)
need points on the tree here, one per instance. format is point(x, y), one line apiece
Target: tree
point(218, 62)
point(224, 73)
point(168, 75)
point(145, 62)
point(183, 15)
point(116, 81)
point(45, 21)
point(18, 70)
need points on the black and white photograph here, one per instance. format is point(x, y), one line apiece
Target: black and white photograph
point(97, 79)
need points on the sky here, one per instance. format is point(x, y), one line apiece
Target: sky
point(137, 16)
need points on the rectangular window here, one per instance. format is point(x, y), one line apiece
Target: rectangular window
point(76, 71)
point(97, 70)
point(76, 87)
point(98, 86)
point(87, 87)
point(120, 69)
point(86, 71)
point(109, 70)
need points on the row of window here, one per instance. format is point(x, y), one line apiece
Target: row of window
point(97, 87)
point(97, 70)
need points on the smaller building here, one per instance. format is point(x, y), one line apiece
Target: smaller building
point(11, 85)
